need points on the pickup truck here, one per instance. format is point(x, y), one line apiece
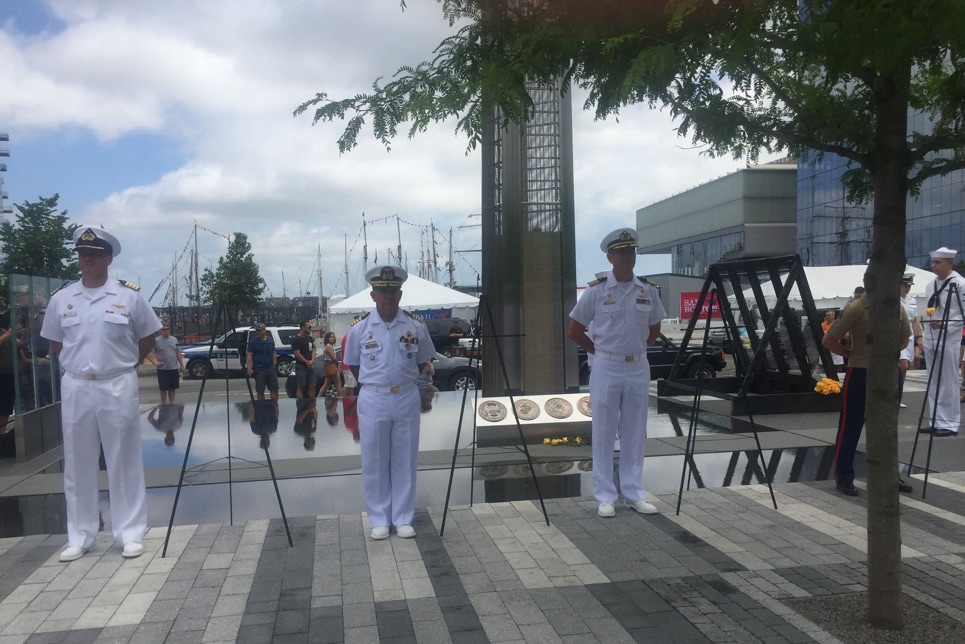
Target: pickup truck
point(661, 355)
point(229, 352)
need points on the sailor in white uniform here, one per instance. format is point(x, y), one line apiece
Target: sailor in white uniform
point(943, 338)
point(625, 312)
point(386, 352)
point(101, 330)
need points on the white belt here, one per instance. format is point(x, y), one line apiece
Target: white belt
point(617, 358)
point(394, 389)
point(98, 376)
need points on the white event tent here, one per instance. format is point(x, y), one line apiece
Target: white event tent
point(418, 295)
point(832, 286)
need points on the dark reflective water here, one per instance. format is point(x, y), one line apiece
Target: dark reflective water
point(314, 448)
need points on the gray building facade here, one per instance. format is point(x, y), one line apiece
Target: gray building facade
point(748, 213)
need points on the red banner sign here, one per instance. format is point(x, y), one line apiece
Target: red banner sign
point(688, 306)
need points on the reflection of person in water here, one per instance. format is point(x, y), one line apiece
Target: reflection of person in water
point(306, 421)
point(263, 418)
point(331, 412)
point(350, 411)
point(167, 419)
point(426, 396)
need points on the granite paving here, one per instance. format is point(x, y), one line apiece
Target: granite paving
point(720, 571)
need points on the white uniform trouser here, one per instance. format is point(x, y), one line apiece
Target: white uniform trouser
point(618, 394)
point(949, 412)
point(389, 438)
point(95, 413)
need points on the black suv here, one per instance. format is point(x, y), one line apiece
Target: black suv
point(439, 330)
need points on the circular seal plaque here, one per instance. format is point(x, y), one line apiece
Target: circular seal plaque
point(583, 404)
point(558, 467)
point(492, 410)
point(559, 408)
point(526, 409)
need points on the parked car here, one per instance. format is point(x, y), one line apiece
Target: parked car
point(455, 374)
point(229, 352)
point(661, 355)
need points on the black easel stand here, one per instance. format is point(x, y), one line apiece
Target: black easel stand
point(756, 363)
point(223, 317)
point(940, 354)
point(484, 304)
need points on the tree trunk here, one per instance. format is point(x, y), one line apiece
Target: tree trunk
point(889, 172)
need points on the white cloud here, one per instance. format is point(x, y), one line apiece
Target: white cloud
point(222, 79)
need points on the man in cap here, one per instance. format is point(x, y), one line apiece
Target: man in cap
point(907, 355)
point(386, 352)
point(303, 348)
point(854, 322)
point(946, 299)
point(625, 312)
point(101, 330)
point(262, 362)
point(169, 360)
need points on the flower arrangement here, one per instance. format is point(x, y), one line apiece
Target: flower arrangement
point(827, 387)
point(576, 442)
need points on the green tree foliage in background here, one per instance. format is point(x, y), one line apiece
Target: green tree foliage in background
point(236, 281)
point(38, 243)
point(878, 82)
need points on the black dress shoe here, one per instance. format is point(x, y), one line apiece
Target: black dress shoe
point(848, 489)
point(905, 487)
point(944, 432)
point(926, 430)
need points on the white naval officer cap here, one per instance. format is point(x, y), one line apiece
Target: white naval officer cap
point(943, 253)
point(619, 238)
point(386, 276)
point(908, 278)
point(93, 238)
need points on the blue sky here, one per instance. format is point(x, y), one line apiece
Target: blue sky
point(148, 117)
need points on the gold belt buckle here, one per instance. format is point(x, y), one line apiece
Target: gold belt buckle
point(628, 359)
point(90, 376)
point(395, 389)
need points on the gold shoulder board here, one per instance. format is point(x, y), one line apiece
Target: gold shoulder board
point(133, 287)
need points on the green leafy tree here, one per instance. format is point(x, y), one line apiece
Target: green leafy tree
point(40, 242)
point(236, 281)
point(806, 77)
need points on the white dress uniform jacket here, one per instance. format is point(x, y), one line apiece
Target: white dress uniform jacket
point(99, 404)
point(911, 308)
point(621, 315)
point(943, 371)
point(388, 356)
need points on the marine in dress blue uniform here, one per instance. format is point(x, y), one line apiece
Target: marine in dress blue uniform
point(386, 350)
point(625, 313)
point(944, 338)
point(101, 330)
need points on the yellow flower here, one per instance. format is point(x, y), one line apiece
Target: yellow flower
point(546, 441)
point(577, 441)
point(555, 442)
point(930, 310)
point(827, 387)
point(565, 440)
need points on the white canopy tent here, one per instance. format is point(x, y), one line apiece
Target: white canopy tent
point(832, 286)
point(418, 295)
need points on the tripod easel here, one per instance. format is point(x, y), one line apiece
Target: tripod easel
point(484, 305)
point(224, 317)
point(939, 353)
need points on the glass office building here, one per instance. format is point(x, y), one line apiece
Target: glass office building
point(832, 232)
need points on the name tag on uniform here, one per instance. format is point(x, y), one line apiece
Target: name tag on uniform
point(68, 314)
point(643, 299)
point(608, 301)
point(371, 345)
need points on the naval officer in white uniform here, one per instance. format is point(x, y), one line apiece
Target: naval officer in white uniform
point(625, 312)
point(386, 351)
point(101, 330)
point(947, 338)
